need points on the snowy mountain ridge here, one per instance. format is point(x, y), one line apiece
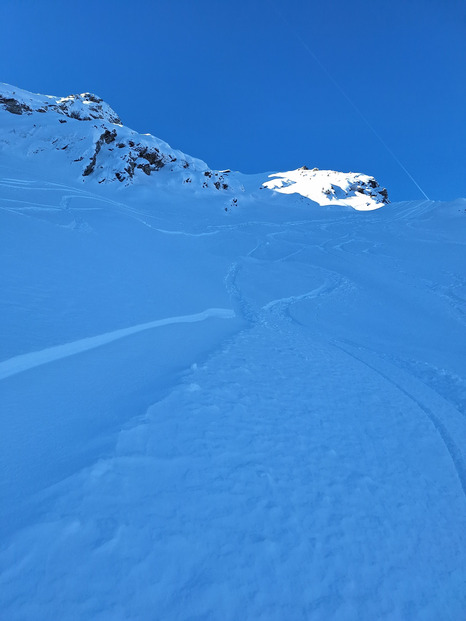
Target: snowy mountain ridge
point(90, 135)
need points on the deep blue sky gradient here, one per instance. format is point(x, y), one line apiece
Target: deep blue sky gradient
point(251, 85)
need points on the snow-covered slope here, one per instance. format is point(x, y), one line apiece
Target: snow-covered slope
point(256, 413)
point(83, 132)
point(86, 134)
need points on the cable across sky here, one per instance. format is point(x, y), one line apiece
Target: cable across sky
point(349, 100)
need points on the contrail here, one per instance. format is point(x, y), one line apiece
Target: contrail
point(350, 101)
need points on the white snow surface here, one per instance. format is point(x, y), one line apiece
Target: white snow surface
point(328, 187)
point(226, 410)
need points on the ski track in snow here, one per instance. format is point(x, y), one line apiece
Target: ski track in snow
point(284, 304)
point(24, 362)
point(135, 214)
point(388, 372)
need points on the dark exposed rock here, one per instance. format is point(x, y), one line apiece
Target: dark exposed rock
point(91, 97)
point(130, 168)
point(97, 109)
point(108, 136)
point(154, 160)
point(90, 167)
point(14, 106)
point(98, 145)
point(145, 168)
point(152, 156)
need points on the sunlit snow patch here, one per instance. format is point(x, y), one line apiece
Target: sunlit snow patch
point(329, 187)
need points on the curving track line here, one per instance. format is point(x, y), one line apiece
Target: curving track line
point(21, 363)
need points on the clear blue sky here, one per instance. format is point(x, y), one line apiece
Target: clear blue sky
point(253, 85)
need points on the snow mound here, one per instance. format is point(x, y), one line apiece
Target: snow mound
point(329, 187)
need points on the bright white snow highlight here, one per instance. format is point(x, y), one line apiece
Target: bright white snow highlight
point(327, 187)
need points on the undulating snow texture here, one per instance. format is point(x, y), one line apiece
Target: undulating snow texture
point(213, 409)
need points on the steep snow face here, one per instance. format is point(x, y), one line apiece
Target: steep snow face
point(85, 133)
point(328, 187)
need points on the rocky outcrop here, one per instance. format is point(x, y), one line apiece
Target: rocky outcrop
point(10, 104)
point(106, 138)
point(103, 148)
point(83, 107)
